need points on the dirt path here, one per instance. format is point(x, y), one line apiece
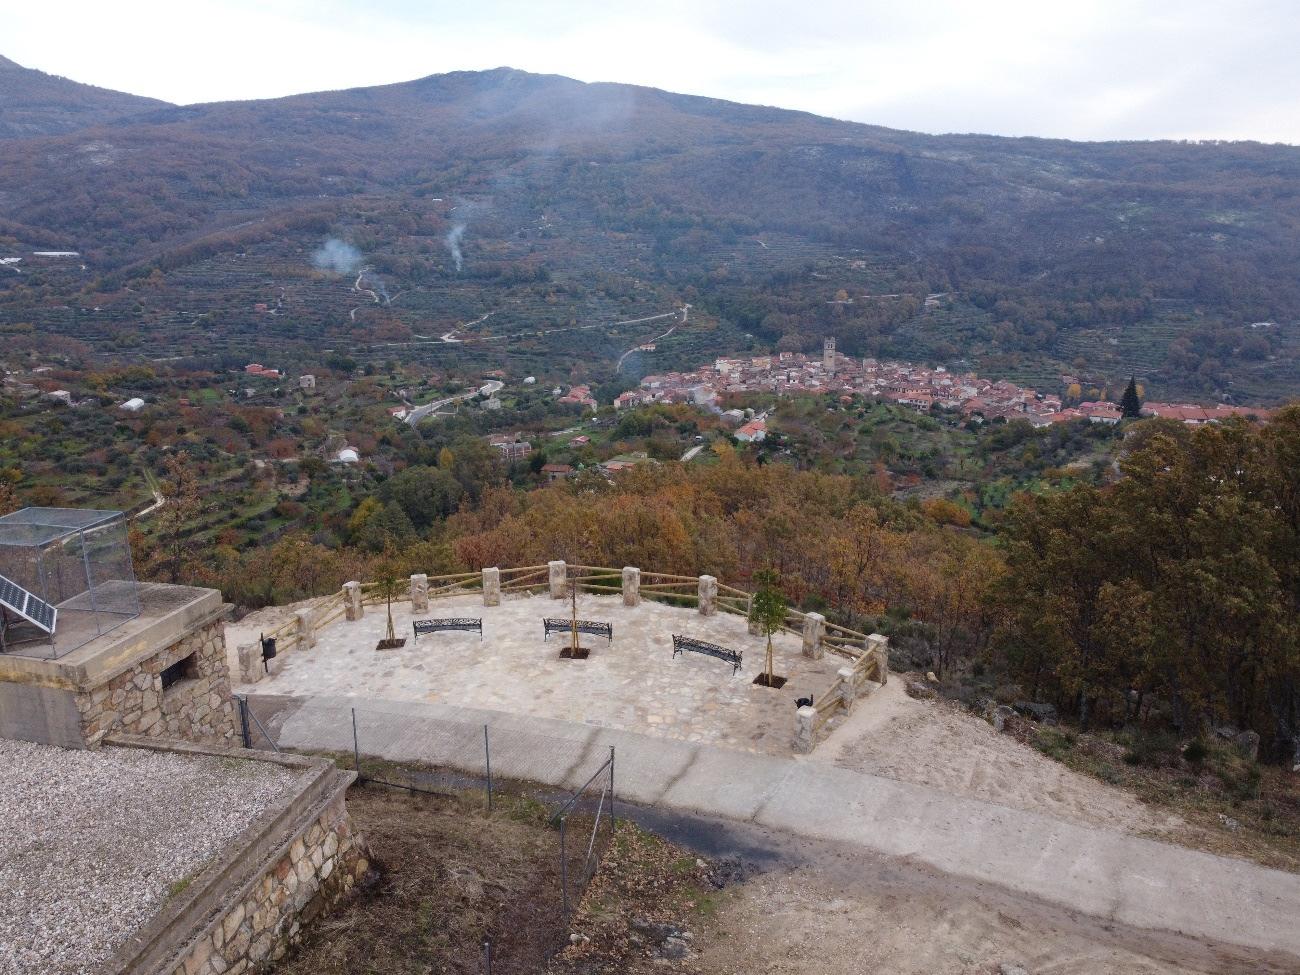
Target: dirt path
point(813, 907)
point(937, 744)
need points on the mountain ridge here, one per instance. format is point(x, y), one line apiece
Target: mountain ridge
point(1046, 239)
point(34, 103)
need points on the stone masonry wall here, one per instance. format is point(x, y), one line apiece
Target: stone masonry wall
point(197, 708)
point(319, 867)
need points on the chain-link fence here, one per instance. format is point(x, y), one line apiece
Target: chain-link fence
point(404, 746)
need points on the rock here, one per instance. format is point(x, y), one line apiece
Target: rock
point(674, 949)
point(1229, 823)
point(654, 931)
point(1006, 968)
point(918, 689)
point(929, 675)
point(1044, 713)
point(1248, 744)
point(1227, 732)
point(998, 717)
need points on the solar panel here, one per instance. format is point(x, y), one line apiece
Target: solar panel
point(27, 605)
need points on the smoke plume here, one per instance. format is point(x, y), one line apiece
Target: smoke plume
point(452, 240)
point(337, 256)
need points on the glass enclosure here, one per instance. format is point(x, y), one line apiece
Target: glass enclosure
point(67, 570)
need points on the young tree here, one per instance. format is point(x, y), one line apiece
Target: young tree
point(768, 613)
point(389, 584)
point(1130, 404)
point(182, 504)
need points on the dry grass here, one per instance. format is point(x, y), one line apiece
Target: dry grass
point(1232, 807)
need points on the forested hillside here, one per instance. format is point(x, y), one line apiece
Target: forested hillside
point(1171, 261)
point(35, 103)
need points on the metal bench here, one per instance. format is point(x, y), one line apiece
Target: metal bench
point(682, 643)
point(447, 623)
point(591, 627)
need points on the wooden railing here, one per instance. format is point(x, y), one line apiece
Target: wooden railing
point(525, 578)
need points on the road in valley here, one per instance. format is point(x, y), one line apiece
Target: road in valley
point(420, 412)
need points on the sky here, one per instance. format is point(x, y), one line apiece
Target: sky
point(1079, 69)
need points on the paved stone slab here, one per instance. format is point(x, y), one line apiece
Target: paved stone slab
point(633, 683)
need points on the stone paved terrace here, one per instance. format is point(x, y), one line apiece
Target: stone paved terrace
point(93, 843)
point(634, 684)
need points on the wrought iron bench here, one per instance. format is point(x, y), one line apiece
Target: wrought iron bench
point(591, 627)
point(733, 657)
point(447, 623)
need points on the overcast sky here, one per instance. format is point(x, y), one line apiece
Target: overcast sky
point(1081, 69)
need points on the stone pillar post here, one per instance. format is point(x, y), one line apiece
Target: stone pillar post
point(306, 629)
point(631, 585)
point(708, 595)
point(492, 587)
point(754, 628)
point(250, 662)
point(419, 592)
point(352, 608)
point(814, 625)
point(847, 693)
point(559, 579)
point(803, 729)
point(878, 644)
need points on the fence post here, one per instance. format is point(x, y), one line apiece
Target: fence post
point(250, 662)
point(419, 592)
point(631, 585)
point(708, 595)
point(564, 868)
point(353, 609)
point(813, 627)
point(559, 577)
point(847, 691)
point(803, 729)
point(880, 645)
point(243, 721)
point(487, 758)
point(306, 629)
point(492, 587)
point(356, 746)
point(487, 956)
point(755, 628)
point(611, 789)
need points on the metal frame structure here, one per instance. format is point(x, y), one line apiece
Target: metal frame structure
point(68, 578)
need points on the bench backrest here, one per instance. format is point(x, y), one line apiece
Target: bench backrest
point(437, 625)
point(594, 627)
point(733, 657)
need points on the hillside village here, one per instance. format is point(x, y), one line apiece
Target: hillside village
point(920, 387)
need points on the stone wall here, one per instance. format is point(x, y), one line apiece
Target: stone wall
point(319, 867)
point(198, 707)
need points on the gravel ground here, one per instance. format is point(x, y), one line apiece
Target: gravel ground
point(93, 843)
